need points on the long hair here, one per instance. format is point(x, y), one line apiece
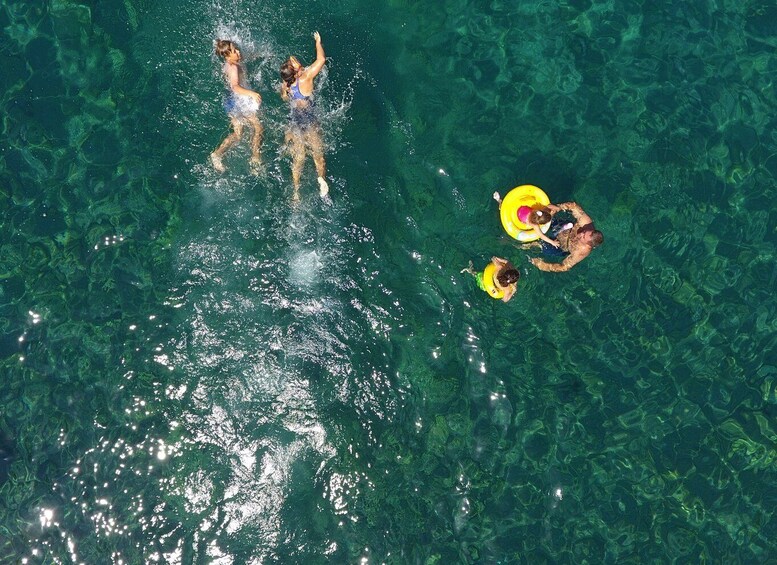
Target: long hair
point(288, 73)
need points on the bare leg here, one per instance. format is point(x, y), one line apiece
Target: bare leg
point(297, 148)
point(256, 142)
point(229, 141)
point(470, 269)
point(314, 141)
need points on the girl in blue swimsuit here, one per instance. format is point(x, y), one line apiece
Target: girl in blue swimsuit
point(304, 131)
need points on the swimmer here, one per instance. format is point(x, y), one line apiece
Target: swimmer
point(534, 218)
point(576, 241)
point(304, 131)
point(504, 281)
point(241, 107)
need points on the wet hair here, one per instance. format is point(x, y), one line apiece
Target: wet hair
point(539, 216)
point(508, 275)
point(288, 73)
point(224, 47)
point(596, 236)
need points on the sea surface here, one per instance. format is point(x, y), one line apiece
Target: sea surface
point(193, 369)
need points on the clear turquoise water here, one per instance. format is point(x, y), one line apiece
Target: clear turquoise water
point(193, 371)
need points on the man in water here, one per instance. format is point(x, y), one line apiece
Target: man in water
point(241, 106)
point(576, 241)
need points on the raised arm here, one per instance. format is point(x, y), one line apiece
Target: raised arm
point(318, 64)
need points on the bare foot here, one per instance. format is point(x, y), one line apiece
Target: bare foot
point(498, 198)
point(255, 164)
point(323, 187)
point(295, 196)
point(215, 158)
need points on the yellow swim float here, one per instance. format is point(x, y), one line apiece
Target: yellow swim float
point(487, 282)
point(524, 195)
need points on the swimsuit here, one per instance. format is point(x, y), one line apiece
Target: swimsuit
point(524, 214)
point(303, 115)
point(479, 280)
point(303, 118)
point(240, 106)
point(296, 94)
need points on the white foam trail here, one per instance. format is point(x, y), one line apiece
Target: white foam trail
point(304, 268)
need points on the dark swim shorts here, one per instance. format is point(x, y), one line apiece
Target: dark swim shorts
point(557, 225)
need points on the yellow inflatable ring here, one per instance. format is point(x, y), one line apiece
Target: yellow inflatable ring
point(488, 282)
point(524, 195)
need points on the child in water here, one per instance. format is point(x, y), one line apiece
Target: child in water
point(499, 279)
point(304, 131)
point(241, 106)
point(534, 217)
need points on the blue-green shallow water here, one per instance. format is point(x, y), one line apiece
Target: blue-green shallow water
point(195, 372)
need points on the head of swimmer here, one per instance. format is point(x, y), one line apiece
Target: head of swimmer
point(290, 70)
point(227, 50)
point(594, 238)
point(591, 236)
point(539, 216)
point(507, 276)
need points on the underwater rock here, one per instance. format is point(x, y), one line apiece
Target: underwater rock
point(70, 20)
point(761, 22)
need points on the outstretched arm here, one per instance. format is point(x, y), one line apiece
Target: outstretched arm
point(568, 262)
point(543, 237)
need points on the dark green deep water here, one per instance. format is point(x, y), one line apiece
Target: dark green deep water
point(193, 371)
